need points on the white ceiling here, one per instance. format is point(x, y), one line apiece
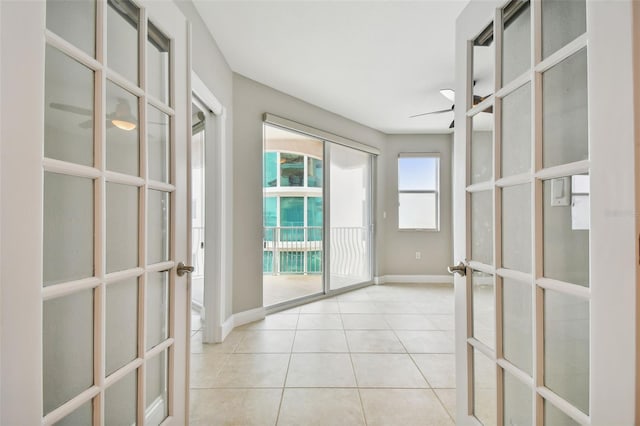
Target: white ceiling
point(374, 62)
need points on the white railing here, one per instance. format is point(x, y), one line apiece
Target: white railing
point(299, 250)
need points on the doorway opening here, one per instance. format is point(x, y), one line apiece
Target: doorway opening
point(197, 214)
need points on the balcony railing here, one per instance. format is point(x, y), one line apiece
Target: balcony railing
point(299, 250)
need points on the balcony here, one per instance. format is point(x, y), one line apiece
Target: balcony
point(293, 260)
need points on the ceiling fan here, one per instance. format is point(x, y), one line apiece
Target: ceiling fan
point(451, 95)
point(120, 118)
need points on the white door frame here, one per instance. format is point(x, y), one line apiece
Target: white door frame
point(614, 220)
point(218, 238)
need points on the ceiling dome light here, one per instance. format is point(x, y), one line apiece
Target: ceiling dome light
point(123, 124)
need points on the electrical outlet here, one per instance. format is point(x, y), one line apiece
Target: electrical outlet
point(418, 255)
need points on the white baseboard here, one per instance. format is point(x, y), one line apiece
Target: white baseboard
point(154, 414)
point(239, 319)
point(417, 279)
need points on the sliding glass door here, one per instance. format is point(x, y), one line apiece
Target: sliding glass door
point(350, 225)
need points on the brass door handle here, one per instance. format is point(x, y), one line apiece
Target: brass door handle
point(460, 269)
point(183, 269)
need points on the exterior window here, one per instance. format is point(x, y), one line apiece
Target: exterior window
point(292, 218)
point(270, 217)
point(291, 170)
point(270, 175)
point(314, 218)
point(418, 191)
point(314, 173)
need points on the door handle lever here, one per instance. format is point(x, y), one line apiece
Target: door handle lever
point(184, 269)
point(460, 269)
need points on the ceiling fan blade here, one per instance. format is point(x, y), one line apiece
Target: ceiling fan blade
point(86, 124)
point(449, 94)
point(451, 125)
point(71, 108)
point(432, 112)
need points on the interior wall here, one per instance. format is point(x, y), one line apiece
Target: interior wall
point(400, 247)
point(212, 68)
point(251, 101)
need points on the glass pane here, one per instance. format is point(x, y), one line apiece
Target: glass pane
point(157, 405)
point(292, 218)
point(516, 132)
point(122, 38)
point(565, 130)
point(555, 417)
point(291, 170)
point(485, 405)
point(123, 150)
point(516, 228)
point(157, 305)
point(566, 231)
point(566, 347)
point(482, 227)
point(418, 173)
point(314, 173)
point(482, 147)
point(158, 216)
point(516, 41)
point(68, 228)
point(83, 416)
point(516, 316)
point(314, 219)
point(314, 262)
point(270, 176)
point(67, 330)
point(483, 64)
point(517, 402)
point(121, 324)
point(120, 400)
point(484, 308)
point(417, 211)
point(157, 64)
point(158, 142)
point(68, 113)
point(74, 21)
point(350, 232)
point(562, 22)
point(122, 227)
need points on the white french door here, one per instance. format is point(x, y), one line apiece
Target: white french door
point(96, 332)
point(544, 202)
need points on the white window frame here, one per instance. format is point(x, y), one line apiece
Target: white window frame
point(436, 191)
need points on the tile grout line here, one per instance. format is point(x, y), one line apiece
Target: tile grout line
point(286, 375)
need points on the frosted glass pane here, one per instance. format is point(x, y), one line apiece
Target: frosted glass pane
point(482, 148)
point(122, 38)
point(485, 405)
point(120, 401)
point(157, 64)
point(517, 331)
point(516, 41)
point(157, 305)
point(566, 232)
point(417, 211)
point(122, 324)
point(555, 417)
point(484, 308)
point(122, 227)
point(156, 398)
point(482, 227)
point(68, 112)
point(517, 402)
point(122, 131)
point(67, 330)
point(516, 132)
point(483, 63)
point(562, 22)
point(158, 226)
point(418, 173)
point(566, 347)
point(74, 21)
point(83, 416)
point(565, 136)
point(68, 228)
point(516, 228)
point(158, 143)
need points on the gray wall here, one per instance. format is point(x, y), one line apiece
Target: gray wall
point(399, 247)
point(251, 101)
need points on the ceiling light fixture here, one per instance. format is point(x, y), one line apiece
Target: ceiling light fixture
point(122, 118)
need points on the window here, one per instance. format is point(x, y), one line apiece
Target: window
point(418, 186)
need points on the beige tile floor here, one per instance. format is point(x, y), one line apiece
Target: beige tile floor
point(381, 355)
